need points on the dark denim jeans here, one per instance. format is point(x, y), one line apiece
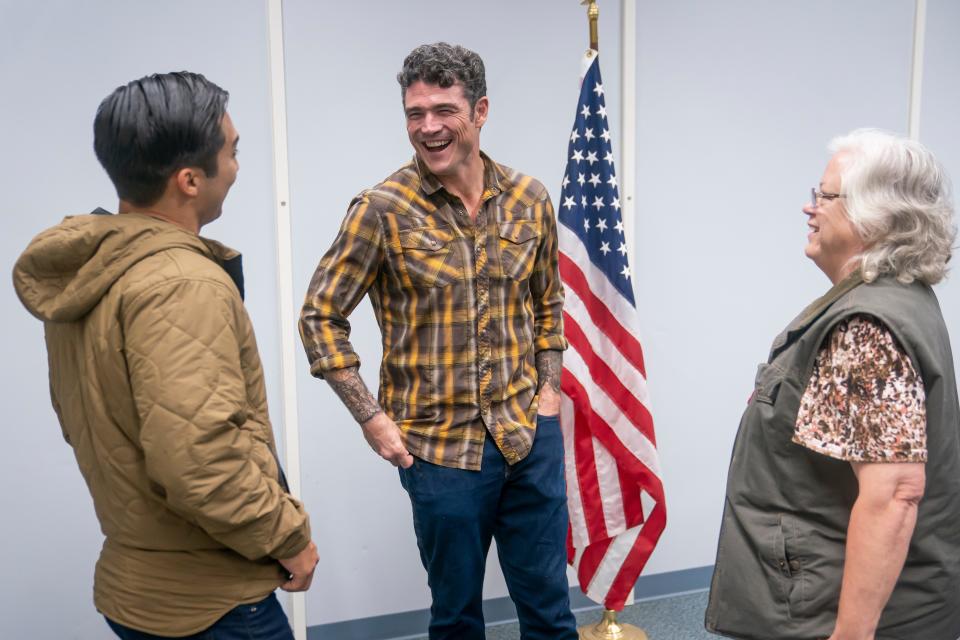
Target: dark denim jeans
point(264, 620)
point(524, 507)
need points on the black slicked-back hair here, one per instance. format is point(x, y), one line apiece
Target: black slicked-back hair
point(149, 128)
point(444, 64)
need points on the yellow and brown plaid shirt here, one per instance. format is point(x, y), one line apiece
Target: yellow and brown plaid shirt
point(463, 306)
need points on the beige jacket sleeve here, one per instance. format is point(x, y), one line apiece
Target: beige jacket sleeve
point(208, 457)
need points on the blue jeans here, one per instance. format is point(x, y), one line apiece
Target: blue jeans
point(264, 620)
point(524, 507)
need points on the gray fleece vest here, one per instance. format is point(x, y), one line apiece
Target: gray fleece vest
point(781, 549)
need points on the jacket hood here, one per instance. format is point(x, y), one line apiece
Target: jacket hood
point(67, 269)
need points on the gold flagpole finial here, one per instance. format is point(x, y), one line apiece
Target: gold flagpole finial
point(593, 12)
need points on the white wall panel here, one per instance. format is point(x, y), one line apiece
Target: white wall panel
point(940, 126)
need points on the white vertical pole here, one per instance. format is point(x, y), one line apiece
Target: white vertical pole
point(916, 73)
point(628, 137)
point(281, 184)
point(628, 125)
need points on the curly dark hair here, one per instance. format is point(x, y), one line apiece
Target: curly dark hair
point(444, 65)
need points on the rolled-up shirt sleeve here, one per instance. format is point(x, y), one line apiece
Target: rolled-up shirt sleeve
point(545, 285)
point(342, 278)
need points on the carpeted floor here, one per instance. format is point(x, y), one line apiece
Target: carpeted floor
point(672, 618)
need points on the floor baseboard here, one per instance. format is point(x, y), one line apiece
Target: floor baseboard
point(407, 624)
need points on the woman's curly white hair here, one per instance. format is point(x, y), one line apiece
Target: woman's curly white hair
point(898, 198)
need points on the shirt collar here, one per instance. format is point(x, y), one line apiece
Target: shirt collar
point(494, 180)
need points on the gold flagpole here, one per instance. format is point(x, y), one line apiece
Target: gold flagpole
point(608, 628)
point(593, 13)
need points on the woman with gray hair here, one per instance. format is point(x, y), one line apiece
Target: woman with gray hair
point(842, 515)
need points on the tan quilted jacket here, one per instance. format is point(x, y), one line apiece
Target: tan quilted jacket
point(156, 380)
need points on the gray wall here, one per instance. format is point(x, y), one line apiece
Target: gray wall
point(736, 103)
point(939, 124)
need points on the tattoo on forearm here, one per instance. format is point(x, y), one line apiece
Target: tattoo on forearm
point(349, 386)
point(549, 365)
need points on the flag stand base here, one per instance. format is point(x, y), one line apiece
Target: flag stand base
point(609, 629)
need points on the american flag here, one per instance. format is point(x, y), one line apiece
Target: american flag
point(614, 492)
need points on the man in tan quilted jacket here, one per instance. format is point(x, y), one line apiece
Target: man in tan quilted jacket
point(157, 383)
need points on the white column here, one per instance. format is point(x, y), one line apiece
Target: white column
point(628, 125)
point(916, 73)
point(288, 338)
point(628, 137)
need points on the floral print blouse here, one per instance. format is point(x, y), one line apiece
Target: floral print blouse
point(865, 401)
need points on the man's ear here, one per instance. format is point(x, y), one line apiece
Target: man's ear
point(480, 111)
point(187, 181)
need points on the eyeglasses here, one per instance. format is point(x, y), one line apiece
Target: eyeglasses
point(817, 196)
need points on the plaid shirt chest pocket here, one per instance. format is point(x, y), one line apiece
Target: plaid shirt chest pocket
point(519, 240)
point(429, 256)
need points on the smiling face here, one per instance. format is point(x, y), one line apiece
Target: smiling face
point(216, 188)
point(833, 241)
point(443, 130)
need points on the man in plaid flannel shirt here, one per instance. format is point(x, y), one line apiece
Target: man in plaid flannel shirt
point(459, 257)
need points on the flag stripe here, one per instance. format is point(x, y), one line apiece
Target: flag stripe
point(605, 348)
point(632, 503)
point(589, 562)
point(574, 280)
point(636, 559)
point(611, 492)
point(610, 564)
point(630, 455)
point(589, 500)
point(578, 520)
point(600, 371)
